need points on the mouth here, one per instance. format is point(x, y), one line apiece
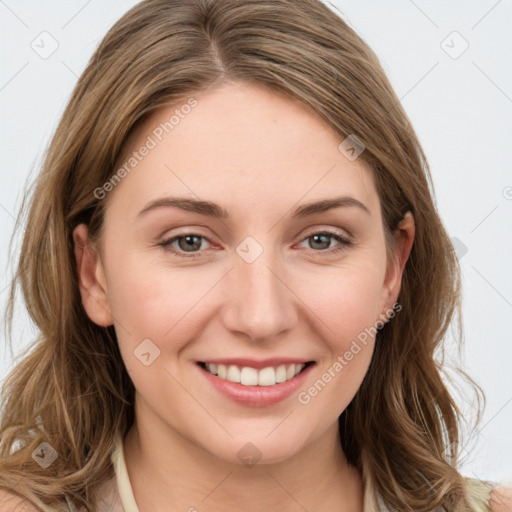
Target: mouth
point(250, 376)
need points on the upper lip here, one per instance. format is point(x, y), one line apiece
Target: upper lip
point(257, 363)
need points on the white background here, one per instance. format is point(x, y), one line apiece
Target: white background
point(460, 107)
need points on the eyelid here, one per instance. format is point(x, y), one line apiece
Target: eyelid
point(329, 230)
point(166, 240)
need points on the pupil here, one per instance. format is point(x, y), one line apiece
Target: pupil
point(190, 243)
point(325, 237)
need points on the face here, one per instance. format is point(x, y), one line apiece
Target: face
point(265, 291)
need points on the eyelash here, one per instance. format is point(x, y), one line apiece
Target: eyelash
point(344, 242)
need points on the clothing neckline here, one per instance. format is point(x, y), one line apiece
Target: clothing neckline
point(479, 490)
point(124, 486)
point(125, 490)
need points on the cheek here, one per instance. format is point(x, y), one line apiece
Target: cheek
point(346, 303)
point(345, 300)
point(347, 312)
point(155, 303)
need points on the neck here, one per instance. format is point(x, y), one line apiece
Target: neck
point(166, 468)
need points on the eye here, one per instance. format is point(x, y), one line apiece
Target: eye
point(321, 241)
point(188, 244)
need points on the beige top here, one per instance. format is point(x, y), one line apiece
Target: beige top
point(117, 494)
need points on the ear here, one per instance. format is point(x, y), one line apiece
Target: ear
point(91, 278)
point(404, 238)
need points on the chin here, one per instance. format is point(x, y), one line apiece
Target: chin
point(258, 449)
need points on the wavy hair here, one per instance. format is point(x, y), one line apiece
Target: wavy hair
point(72, 390)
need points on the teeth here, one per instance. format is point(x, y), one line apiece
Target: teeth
point(281, 373)
point(298, 368)
point(252, 377)
point(249, 376)
point(267, 377)
point(233, 374)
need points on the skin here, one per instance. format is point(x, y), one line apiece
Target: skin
point(259, 156)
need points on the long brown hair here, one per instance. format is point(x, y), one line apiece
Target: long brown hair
point(72, 389)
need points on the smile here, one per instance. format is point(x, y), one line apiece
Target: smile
point(255, 383)
point(249, 376)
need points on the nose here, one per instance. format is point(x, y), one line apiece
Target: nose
point(259, 299)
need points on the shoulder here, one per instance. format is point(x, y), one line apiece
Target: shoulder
point(501, 499)
point(12, 502)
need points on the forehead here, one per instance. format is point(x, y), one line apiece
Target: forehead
point(239, 145)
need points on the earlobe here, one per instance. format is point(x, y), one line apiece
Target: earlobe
point(91, 278)
point(404, 239)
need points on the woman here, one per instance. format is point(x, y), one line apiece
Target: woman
point(198, 349)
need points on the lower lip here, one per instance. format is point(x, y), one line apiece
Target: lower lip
point(257, 396)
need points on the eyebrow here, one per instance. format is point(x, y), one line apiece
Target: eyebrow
point(214, 210)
